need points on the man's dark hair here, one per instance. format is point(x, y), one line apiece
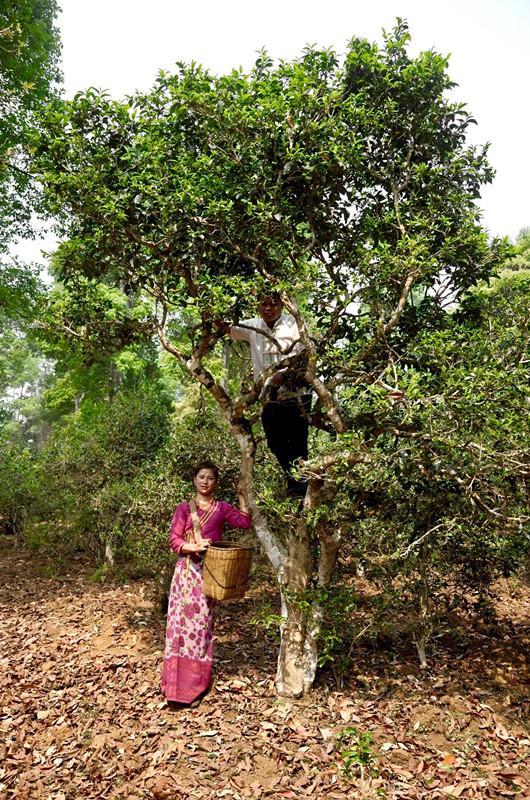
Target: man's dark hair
point(275, 295)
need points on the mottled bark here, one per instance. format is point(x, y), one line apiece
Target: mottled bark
point(297, 657)
point(300, 630)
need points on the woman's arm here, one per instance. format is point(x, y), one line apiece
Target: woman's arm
point(195, 547)
point(238, 518)
point(178, 523)
point(242, 500)
point(177, 540)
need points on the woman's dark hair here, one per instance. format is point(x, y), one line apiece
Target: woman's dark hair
point(207, 465)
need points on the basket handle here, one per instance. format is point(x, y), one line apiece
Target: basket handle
point(222, 585)
point(195, 521)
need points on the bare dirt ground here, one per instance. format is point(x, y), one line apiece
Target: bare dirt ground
point(82, 716)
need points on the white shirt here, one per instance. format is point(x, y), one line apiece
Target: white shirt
point(263, 351)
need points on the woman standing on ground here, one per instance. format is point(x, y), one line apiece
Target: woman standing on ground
point(188, 653)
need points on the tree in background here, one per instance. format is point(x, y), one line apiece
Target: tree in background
point(521, 259)
point(29, 75)
point(348, 187)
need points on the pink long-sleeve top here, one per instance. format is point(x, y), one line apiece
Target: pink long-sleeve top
point(212, 520)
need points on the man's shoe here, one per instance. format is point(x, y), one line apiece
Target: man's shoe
point(296, 488)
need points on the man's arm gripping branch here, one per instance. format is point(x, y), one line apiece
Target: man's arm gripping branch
point(326, 398)
point(284, 351)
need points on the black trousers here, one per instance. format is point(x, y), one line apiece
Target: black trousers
point(286, 427)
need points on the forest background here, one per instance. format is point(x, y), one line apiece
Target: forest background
point(393, 601)
point(346, 183)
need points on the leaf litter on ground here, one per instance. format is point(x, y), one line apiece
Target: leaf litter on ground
point(82, 714)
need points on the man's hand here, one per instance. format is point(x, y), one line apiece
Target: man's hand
point(277, 378)
point(222, 326)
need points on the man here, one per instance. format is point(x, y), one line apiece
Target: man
point(285, 413)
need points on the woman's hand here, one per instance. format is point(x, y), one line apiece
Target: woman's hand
point(197, 547)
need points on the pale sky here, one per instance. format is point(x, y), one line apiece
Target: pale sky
point(119, 45)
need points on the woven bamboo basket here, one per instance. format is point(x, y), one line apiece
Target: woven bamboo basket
point(226, 570)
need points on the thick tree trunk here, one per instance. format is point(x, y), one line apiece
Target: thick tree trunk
point(297, 660)
point(302, 616)
point(109, 552)
point(298, 656)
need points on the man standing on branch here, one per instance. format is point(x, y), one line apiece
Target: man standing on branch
point(274, 339)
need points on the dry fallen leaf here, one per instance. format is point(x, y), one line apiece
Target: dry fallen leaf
point(107, 732)
point(448, 760)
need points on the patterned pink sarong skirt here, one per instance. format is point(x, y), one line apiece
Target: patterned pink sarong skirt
point(188, 652)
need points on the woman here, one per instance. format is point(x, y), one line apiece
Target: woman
point(189, 648)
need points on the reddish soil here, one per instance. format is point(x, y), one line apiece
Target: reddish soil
point(82, 715)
